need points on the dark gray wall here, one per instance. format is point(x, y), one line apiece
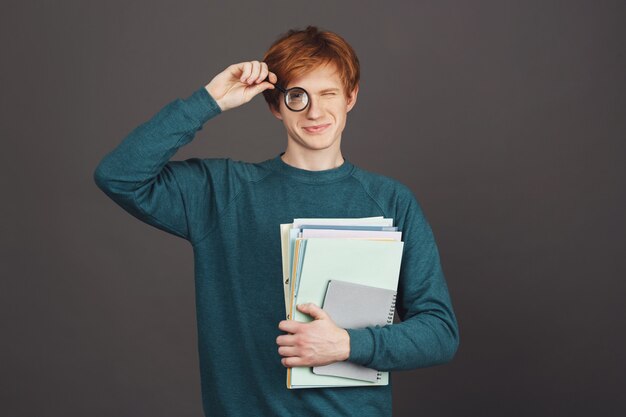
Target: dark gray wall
point(507, 120)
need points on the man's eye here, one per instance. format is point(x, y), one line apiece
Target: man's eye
point(328, 94)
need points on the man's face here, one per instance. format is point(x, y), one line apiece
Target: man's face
point(328, 106)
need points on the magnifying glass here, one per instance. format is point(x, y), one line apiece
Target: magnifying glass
point(296, 98)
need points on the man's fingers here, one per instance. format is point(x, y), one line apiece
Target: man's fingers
point(246, 67)
point(292, 361)
point(246, 71)
point(289, 326)
point(286, 340)
point(263, 73)
point(288, 351)
point(254, 73)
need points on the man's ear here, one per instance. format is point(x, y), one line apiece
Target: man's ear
point(276, 113)
point(352, 98)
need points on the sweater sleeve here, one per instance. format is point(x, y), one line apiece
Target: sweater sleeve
point(139, 177)
point(428, 334)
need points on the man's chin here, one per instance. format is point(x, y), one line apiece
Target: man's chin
point(318, 147)
point(314, 143)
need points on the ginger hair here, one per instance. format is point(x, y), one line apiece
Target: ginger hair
point(298, 52)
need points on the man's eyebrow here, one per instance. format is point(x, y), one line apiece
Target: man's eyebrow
point(326, 90)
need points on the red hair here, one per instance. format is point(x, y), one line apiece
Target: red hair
point(297, 52)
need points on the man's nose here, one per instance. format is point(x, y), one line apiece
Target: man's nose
point(314, 109)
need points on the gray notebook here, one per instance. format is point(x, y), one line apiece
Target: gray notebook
point(354, 306)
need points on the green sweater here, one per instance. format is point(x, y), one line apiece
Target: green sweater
point(230, 212)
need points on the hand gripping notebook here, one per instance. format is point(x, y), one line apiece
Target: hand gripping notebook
point(354, 306)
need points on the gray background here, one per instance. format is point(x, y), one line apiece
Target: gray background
point(505, 118)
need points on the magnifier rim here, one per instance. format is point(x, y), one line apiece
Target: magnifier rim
point(296, 88)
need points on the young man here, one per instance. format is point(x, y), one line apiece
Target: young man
point(230, 212)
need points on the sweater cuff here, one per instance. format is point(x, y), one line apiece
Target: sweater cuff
point(201, 106)
point(361, 346)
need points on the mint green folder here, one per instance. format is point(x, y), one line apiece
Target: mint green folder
point(368, 262)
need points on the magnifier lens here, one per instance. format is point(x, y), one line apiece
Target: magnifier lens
point(296, 99)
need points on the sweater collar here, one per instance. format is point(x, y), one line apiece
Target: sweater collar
point(312, 177)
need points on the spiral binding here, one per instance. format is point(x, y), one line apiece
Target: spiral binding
point(392, 309)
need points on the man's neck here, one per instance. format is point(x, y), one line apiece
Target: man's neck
point(313, 160)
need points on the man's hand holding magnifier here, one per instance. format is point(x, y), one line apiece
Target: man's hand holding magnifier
point(239, 83)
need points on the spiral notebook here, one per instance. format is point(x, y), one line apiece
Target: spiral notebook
point(354, 306)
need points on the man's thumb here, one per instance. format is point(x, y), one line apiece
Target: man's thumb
point(259, 88)
point(312, 310)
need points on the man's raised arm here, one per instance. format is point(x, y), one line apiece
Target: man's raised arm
point(138, 175)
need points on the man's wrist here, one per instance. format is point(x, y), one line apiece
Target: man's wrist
point(361, 346)
point(346, 345)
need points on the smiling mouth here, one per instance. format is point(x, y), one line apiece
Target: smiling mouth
point(315, 129)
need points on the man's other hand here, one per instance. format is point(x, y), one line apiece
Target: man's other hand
point(316, 343)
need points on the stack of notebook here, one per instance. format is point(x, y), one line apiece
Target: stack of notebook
point(350, 267)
